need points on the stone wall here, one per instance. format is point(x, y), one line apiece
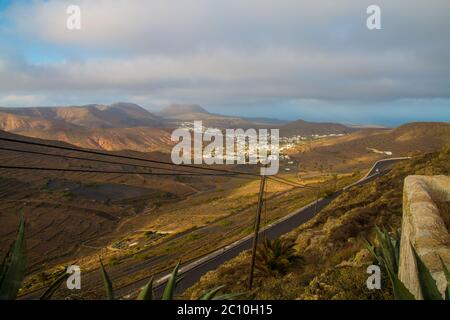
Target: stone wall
point(423, 227)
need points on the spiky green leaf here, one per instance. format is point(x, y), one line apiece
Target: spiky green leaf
point(107, 282)
point(387, 250)
point(169, 290)
point(147, 291)
point(428, 285)
point(400, 291)
point(447, 276)
point(210, 294)
point(371, 248)
point(54, 286)
point(13, 266)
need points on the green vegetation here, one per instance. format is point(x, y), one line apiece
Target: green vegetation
point(114, 260)
point(55, 285)
point(225, 223)
point(149, 233)
point(326, 193)
point(12, 273)
point(107, 282)
point(273, 258)
point(146, 293)
point(387, 252)
point(333, 244)
point(67, 194)
point(428, 286)
point(192, 236)
point(12, 270)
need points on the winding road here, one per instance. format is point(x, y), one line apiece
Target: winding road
point(193, 271)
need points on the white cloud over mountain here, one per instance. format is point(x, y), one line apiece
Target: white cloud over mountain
point(228, 52)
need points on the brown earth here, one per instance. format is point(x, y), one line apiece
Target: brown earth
point(351, 153)
point(65, 210)
point(332, 244)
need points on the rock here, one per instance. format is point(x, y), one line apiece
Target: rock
point(423, 227)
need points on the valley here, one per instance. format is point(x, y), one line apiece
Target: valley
point(334, 257)
point(266, 152)
point(142, 222)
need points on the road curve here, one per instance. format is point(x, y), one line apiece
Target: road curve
point(192, 272)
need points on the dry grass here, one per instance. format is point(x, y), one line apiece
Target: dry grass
point(331, 244)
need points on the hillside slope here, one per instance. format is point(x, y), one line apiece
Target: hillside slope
point(185, 112)
point(177, 113)
point(118, 115)
point(304, 128)
point(118, 126)
point(142, 139)
point(331, 244)
point(68, 213)
point(354, 151)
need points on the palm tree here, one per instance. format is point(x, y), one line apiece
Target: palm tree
point(273, 258)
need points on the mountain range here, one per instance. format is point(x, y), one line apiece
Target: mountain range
point(355, 150)
point(73, 215)
point(128, 126)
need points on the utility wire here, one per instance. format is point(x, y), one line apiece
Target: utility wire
point(114, 172)
point(291, 183)
point(229, 172)
point(125, 157)
point(96, 160)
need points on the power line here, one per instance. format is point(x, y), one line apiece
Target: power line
point(95, 160)
point(229, 172)
point(125, 157)
point(113, 172)
point(276, 179)
point(290, 183)
point(293, 182)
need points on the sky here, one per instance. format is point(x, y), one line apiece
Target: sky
point(285, 59)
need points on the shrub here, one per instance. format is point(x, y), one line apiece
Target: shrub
point(274, 258)
point(225, 223)
point(387, 251)
point(146, 293)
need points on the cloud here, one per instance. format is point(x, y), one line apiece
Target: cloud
point(231, 52)
point(275, 72)
point(141, 26)
point(20, 100)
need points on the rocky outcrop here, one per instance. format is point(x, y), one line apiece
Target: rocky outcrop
point(424, 228)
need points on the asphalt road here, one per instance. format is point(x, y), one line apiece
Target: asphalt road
point(192, 272)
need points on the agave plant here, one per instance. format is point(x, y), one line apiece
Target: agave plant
point(61, 277)
point(428, 286)
point(275, 257)
point(12, 273)
point(107, 282)
point(12, 270)
point(386, 251)
point(447, 276)
point(146, 293)
point(212, 294)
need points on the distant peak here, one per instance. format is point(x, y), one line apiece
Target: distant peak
point(183, 108)
point(125, 105)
